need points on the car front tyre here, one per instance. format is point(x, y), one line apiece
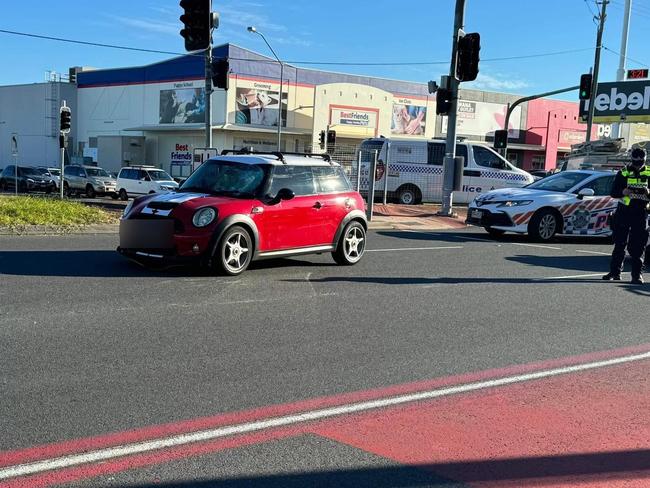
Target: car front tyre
point(543, 226)
point(234, 251)
point(352, 245)
point(90, 191)
point(123, 196)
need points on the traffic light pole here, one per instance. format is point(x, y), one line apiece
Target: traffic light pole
point(208, 97)
point(594, 83)
point(516, 103)
point(450, 149)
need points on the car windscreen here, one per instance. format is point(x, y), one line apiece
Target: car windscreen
point(227, 178)
point(55, 172)
point(159, 175)
point(97, 172)
point(560, 182)
point(30, 172)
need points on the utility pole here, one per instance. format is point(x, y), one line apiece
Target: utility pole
point(208, 96)
point(594, 83)
point(450, 148)
point(620, 73)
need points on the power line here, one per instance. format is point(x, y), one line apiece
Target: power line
point(640, 63)
point(591, 10)
point(321, 63)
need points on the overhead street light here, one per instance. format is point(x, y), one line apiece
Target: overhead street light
point(254, 30)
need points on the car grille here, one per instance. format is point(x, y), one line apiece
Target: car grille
point(178, 225)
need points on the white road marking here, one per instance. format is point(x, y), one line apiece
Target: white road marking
point(308, 416)
point(595, 252)
point(573, 276)
point(535, 245)
point(414, 249)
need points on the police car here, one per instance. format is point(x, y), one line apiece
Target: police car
point(566, 203)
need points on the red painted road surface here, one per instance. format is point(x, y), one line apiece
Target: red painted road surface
point(587, 429)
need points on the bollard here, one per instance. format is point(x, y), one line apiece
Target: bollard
point(359, 171)
point(386, 164)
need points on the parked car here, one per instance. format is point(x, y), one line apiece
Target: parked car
point(235, 209)
point(143, 180)
point(28, 178)
point(90, 180)
point(415, 169)
point(55, 174)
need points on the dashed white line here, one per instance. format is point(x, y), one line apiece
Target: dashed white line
point(414, 249)
point(106, 454)
point(536, 245)
point(595, 252)
point(591, 275)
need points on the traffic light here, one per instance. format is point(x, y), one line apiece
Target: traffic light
point(443, 101)
point(321, 139)
point(220, 70)
point(197, 21)
point(500, 139)
point(331, 137)
point(585, 86)
point(66, 120)
point(469, 47)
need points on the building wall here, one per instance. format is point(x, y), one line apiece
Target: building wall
point(555, 125)
point(32, 112)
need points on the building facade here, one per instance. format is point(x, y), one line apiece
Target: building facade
point(157, 112)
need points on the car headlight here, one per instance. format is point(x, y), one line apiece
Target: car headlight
point(204, 217)
point(127, 209)
point(515, 203)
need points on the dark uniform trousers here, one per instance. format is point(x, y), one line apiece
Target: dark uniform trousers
point(631, 231)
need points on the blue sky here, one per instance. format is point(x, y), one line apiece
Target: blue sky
point(337, 31)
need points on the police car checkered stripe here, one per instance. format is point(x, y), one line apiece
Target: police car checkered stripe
point(502, 175)
point(417, 168)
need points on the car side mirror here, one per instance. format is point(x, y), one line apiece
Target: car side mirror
point(285, 194)
point(586, 192)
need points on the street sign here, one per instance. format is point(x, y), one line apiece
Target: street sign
point(14, 144)
point(627, 101)
point(637, 74)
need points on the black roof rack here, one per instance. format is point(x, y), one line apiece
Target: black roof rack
point(279, 155)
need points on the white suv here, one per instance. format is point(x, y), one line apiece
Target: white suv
point(142, 180)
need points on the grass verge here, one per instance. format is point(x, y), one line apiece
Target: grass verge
point(23, 211)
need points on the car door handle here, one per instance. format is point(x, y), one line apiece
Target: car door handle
point(318, 205)
point(470, 172)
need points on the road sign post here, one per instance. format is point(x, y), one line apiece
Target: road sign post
point(14, 154)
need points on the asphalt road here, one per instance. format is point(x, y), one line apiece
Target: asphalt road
point(91, 344)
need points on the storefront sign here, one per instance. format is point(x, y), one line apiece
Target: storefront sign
point(182, 155)
point(627, 101)
point(569, 137)
point(409, 117)
point(483, 118)
point(353, 117)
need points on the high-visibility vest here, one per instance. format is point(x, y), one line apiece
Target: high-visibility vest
point(642, 178)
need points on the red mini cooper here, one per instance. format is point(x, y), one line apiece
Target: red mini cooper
point(238, 208)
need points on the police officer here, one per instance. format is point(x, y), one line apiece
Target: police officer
point(630, 222)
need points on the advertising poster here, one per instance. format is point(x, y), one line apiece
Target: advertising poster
point(182, 106)
point(258, 105)
point(483, 118)
point(408, 118)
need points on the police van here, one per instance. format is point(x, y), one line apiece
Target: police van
point(415, 169)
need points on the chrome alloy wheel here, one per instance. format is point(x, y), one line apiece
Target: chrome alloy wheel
point(354, 244)
point(235, 252)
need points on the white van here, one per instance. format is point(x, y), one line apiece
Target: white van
point(141, 180)
point(415, 169)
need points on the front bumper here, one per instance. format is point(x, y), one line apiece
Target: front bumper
point(155, 240)
point(484, 217)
